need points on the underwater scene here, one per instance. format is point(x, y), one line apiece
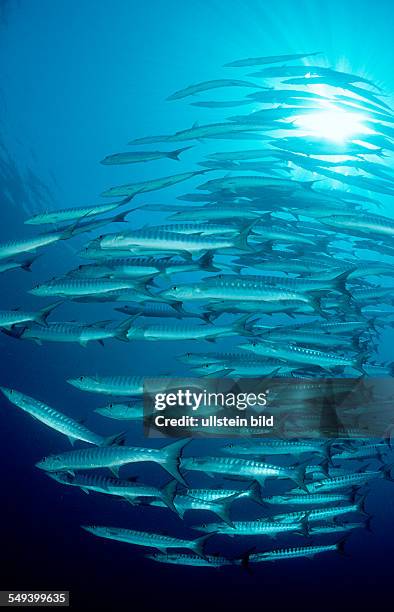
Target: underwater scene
point(197, 196)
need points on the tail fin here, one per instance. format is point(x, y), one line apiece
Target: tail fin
point(114, 440)
point(241, 241)
point(341, 546)
point(167, 494)
point(171, 459)
point(44, 313)
point(221, 507)
point(361, 505)
point(175, 154)
point(298, 476)
point(123, 329)
point(198, 544)
point(339, 283)
point(254, 493)
point(242, 324)
point(205, 262)
point(27, 263)
point(245, 559)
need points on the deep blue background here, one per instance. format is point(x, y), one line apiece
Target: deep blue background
point(80, 79)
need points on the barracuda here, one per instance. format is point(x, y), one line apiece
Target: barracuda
point(148, 539)
point(109, 385)
point(279, 447)
point(304, 355)
point(120, 488)
point(307, 499)
point(237, 289)
point(213, 561)
point(255, 470)
point(81, 333)
point(56, 420)
point(321, 514)
point(171, 241)
point(189, 332)
point(126, 411)
point(184, 503)
point(73, 214)
point(9, 318)
point(130, 190)
point(113, 457)
point(254, 528)
point(69, 287)
point(18, 247)
point(134, 157)
point(361, 223)
point(294, 553)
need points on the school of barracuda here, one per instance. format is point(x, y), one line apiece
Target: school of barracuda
point(285, 223)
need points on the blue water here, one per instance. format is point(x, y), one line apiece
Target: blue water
point(79, 80)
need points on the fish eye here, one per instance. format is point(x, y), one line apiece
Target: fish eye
point(81, 378)
point(230, 445)
point(174, 288)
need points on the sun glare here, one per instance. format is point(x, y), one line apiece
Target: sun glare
point(332, 124)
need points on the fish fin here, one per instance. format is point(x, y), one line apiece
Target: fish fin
point(123, 329)
point(205, 262)
point(341, 546)
point(222, 509)
point(198, 544)
point(241, 241)
point(115, 471)
point(210, 339)
point(114, 440)
point(175, 154)
point(71, 440)
point(245, 559)
point(255, 492)
point(171, 458)
point(42, 314)
point(85, 490)
point(167, 494)
point(298, 476)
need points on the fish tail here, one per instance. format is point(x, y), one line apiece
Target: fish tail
point(114, 440)
point(123, 329)
point(175, 154)
point(171, 459)
point(198, 544)
point(205, 262)
point(44, 313)
point(246, 558)
point(167, 494)
point(341, 546)
point(28, 262)
point(255, 493)
point(298, 476)
point(339, 284)
point(241, 241)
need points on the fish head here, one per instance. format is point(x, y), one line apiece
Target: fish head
point(179, 292)
point(52, 463)
point(11, 394)
point(80, 382)
point(230, 448)
point(38, 290)
point(62, 477)
point(207, 527)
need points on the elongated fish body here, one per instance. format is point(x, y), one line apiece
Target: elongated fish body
point(307, 499)
point(204, 229)
point(247, 369)
point(214, 130)
point(162, 240)
point(125, 411)
point(277, 447)
point(235, 289)
point(134, 157)
point(184, 503)
point(224, 212)
point(109, 385)
point(52, 418)
point(289, 307)
point(362, 223)
point(270, 59)
point(9, 318)
point(292, 284)
point(301, 354)
point(70, 287)
point(73, 332)
point(148, 539)
point(319, 514)
point(364, 452)
point(292, 553)
point(115, 456)
point(115, 268)
point(18, 247)
point(23, 264)
point(72, 214)
point(256, 470)
point(252, 528)
point(113, 486)
point(345, 481)
point(250, 182)
point(234, 358)
point(182, 331)
point(208, 85)
point(332, 527)
point(305, 337)
point(159, 310)
point(213, 561)
point(132, 189)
